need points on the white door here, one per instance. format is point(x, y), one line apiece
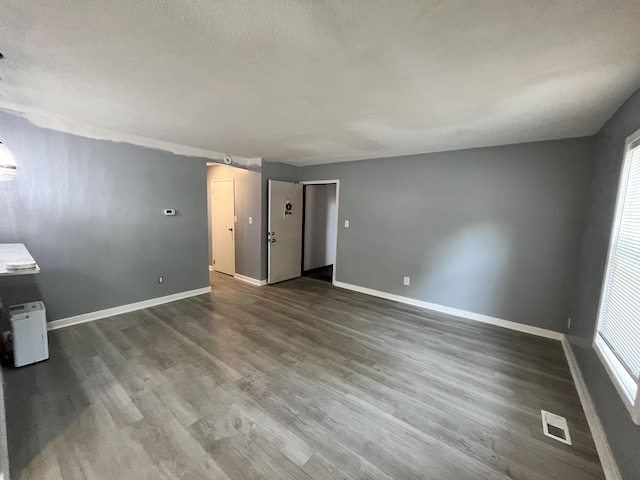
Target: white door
point(285, 231)
point(222, 234)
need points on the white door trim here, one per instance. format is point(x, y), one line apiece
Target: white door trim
point(335, 243)
point(233, 214)
point(269, 233)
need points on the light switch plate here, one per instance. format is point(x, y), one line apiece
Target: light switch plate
point(250, 220)
point(346, 224)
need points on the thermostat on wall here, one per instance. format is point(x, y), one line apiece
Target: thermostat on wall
point(169, 211)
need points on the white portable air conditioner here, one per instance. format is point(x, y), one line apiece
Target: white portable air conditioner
point(29, 331)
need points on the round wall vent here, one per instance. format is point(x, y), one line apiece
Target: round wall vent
point(227, 159)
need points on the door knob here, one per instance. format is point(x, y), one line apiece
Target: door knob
point(231, 229)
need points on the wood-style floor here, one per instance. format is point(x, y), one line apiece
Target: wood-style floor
point(295, 381)
point(323, 273)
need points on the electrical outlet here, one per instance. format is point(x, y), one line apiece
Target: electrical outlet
point(407, 280)
point(160, 279)
point(569, 324)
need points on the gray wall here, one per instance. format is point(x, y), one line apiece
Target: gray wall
point(90, 212)
point(248, 195)
point(272, 171)
point(622, 433)
point(491, 231)
point(319, 226)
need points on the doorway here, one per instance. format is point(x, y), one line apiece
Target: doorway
point(320, 230)
point(222, 226)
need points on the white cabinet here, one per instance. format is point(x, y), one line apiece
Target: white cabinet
point(29, 331)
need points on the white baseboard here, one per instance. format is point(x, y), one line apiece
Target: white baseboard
point(609, 466)
point(131, 307)
point(540, 332)
point(252, 281)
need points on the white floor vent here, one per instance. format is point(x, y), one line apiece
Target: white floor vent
point(555, 426)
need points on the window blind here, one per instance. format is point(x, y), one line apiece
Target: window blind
point(619, 322)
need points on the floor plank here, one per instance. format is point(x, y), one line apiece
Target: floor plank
point(299, 380)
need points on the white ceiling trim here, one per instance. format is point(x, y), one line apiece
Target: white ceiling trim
point(81, 129)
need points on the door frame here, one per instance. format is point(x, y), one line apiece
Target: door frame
point(335, 248)
point(269, 231)
point(233, 214)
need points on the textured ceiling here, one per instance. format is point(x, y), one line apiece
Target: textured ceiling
point(319, 81)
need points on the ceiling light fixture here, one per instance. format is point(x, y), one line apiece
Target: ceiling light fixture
point(7, 164)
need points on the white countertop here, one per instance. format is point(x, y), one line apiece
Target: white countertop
point(15, 252)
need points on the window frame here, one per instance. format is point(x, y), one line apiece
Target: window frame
point(627, 387)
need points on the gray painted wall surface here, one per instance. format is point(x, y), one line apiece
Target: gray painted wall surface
point(90, 212)
point(319, 226)
point(272, 171)
point(248, 195)
point(622, 433)
point(491, 231)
